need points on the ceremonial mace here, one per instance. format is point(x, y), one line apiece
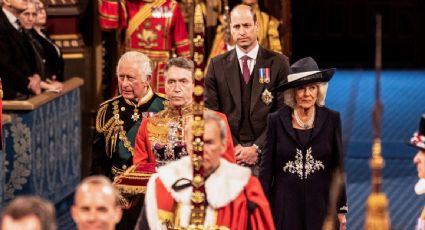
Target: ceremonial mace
point(377, 216)
point(198, 201)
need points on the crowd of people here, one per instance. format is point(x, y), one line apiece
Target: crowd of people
point(30, 62)
point(270, 146)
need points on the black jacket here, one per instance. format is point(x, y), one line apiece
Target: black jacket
point(296, 178)
point(223, 90)
point(16, 60)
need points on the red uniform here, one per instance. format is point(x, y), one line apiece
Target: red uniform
point(153, 28)
point(157, 133)
point(229, 189)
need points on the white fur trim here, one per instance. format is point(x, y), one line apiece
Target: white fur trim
point(151, 205)
point(296, 76)
point(226, 183)
point(222, 186)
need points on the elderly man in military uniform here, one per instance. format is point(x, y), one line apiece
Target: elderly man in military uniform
point(119, 118)
point(153, 27)
point(160, 138)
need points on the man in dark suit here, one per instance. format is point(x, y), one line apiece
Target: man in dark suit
point(239, 83)
point(17, 64)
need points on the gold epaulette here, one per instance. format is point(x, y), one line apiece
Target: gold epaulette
point(101, 123)
point(161, 95)
point(112, 99)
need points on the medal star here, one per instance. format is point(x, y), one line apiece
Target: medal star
point(135, 117)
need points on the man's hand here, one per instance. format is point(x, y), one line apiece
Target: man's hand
point(342, 221)
point(245, 155)
point(34, 84)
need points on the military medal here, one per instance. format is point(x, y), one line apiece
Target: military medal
point(267, 97)
point(266, 75)
point(135, 116)
point(261, 73)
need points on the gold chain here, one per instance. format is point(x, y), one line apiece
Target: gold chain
point(119, 126)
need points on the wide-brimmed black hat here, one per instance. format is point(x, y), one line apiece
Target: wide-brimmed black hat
point(305, 71)
point(418, 138)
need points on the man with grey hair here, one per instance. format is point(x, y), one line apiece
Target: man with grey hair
point(119, 118)
point(29, 213)
point(160, 138)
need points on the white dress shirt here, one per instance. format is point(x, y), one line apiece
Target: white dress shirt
point(252, 57)
point(12, 19)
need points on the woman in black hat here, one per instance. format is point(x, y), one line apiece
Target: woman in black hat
point(303, 150)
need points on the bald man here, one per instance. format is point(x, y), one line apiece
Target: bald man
point(96, 204)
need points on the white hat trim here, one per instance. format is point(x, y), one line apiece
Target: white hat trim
point(296, 76)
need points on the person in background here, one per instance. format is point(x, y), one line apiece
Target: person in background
point(418, 141)
point(54, 60)
point(17, 61)
point(28, 18)
point(155, 28)
point(303, 150)
point(28, 213)
point(96, 204)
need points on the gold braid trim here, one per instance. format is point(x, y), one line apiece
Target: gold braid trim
point(165, 216)
point(119, 130)
point(113, 128)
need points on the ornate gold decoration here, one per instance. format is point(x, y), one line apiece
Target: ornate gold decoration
point(198, 144)
point(198, 74)
point(197, 162)
point(198, 41)
point(198, 197)
point(198, 91)
point(198, 57)
point(198, 181)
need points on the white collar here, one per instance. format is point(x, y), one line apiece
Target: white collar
point(222, 186)
point(11, 17)
point(252, 53)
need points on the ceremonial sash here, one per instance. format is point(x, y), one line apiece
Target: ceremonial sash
point(144, 13)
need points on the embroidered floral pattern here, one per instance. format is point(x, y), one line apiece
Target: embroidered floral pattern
point(295, 166)
point(303, 169)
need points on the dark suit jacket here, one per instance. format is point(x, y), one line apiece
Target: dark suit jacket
point(299, 200)
point(16, 60)
point(223, 90)
point(54, 64)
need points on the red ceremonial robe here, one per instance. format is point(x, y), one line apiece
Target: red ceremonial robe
point(151, 132)
point(228, 189)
